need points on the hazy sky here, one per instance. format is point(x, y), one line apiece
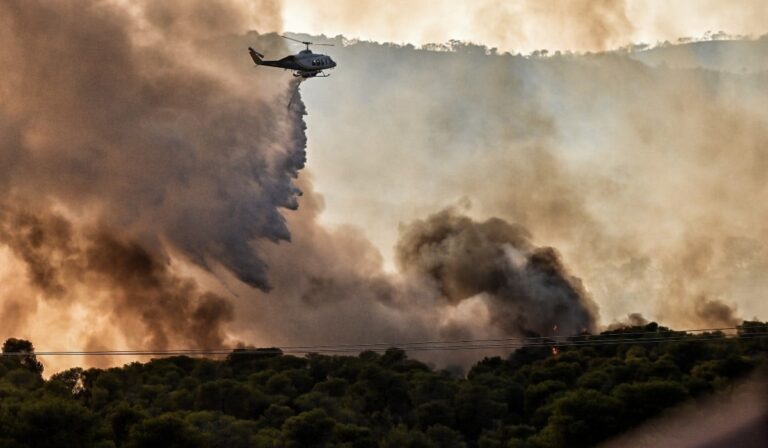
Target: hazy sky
point(149, 168)
point(526, 25)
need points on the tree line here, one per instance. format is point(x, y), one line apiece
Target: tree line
point(578, 396)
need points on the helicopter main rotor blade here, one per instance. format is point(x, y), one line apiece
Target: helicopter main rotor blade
point(295, 40)
point(305, 42)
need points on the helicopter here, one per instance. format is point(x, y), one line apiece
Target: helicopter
point(305, 64)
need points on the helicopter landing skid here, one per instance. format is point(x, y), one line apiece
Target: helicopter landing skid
point(301, 75)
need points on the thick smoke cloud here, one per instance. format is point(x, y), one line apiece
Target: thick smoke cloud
point(134, 289)
point(528, 288)
point(145, 133)
point(130, 145)
point(631, 320)
point(200, 19)
point(330, 288)
point(457, 279)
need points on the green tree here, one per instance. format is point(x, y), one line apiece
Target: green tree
point(538, 394)
point(309, 429)
point(353, 436)
point(401, 437)
point(56, 422)
point(121, 419)
point(444, 437)
point(275, 416)
point(477, 408)
point(437, 412)
point(165, 431)
point(23, 352)
point(643, 400)
point(71, 380)
point(581, 418)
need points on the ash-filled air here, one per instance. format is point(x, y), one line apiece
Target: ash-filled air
point(131, 137)
point(151, 177)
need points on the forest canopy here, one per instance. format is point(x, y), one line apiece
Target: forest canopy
point(578, 395)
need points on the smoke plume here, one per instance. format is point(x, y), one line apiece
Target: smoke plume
point(457, 279)
point(129, 146)
point(145, 132)
point(528, 288)
point(135, 291)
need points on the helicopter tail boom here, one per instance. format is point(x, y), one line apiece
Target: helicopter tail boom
point(256, 56)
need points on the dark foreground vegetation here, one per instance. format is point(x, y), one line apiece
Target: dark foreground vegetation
point(583, 395)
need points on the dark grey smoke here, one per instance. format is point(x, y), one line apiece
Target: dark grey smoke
point(528, 289)
point(147, 131)
point(131, 143)
point(149, 303)
point(40, 244)
point(715, 313)
point(632, 320)
point(458, 279)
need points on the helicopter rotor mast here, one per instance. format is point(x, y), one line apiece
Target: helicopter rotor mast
point(305, 42)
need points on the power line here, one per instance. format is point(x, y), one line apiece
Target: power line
point(522, 339)
point(470, 344)
point(403, 344)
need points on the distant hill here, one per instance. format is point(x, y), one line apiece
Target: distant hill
point(735, 56)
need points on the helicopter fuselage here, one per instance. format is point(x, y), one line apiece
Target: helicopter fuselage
point(305, 64)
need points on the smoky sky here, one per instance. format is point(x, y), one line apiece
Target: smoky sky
point(642, 169)
point(152, 185)
point(581, 24)
point(523, 26)
point(158, 152)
